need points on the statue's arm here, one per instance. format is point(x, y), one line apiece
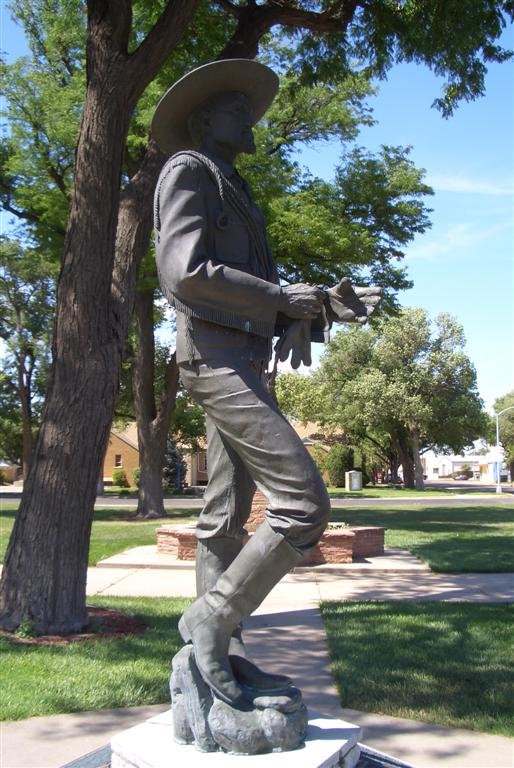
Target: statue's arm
point(186, 264)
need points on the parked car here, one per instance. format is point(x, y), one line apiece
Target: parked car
point(461, 477)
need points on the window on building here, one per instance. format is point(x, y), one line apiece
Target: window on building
point(118, 462)
point(202, 461)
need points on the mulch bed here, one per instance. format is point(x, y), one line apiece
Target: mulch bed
point(103, 623)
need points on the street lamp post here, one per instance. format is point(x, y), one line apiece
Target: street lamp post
point(499, 463)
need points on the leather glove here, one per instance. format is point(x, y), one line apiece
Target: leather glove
point(347, 304)
point(297, 341)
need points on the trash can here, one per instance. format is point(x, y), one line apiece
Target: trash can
point(353, 480)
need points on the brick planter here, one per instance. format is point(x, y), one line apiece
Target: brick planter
point(258, 513)
point(368, 541)
point(173, 540)
point(337, 545)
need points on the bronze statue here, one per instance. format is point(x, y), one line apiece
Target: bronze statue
point(216, 268)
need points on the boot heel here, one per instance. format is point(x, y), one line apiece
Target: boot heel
point(185, 634)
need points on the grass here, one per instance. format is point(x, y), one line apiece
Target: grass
point(451, 539)
point(445, 663)
point(387, 492)
point(450, 664)
point(94, 674)
point(132, 492)
point(113, 531)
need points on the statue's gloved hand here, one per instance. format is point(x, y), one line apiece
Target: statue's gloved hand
point(301, 301)
point(296, 340)
point(348, 304)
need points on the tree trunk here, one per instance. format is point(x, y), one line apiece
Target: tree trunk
point(151, 442)
point(419, 483)
point(46, 563)
point(44, 577)
point(393, 468)
point(24, 395)
point(152, 422)
point(401, 442)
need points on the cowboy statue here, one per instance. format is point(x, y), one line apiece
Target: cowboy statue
point(216, 268)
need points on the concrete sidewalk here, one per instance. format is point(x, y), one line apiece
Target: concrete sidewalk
point(286, 635)
point(395, 576)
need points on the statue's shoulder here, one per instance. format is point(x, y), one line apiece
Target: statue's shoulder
point(192, 160)
point(181, 167)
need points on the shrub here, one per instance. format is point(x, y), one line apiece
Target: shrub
point(119, 478)
point(339, 460)
point(320, 458)
point(3, 480)
point(136, 476)
point(174, 469)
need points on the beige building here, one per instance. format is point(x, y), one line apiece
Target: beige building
point(196, 467)
point(122, 453)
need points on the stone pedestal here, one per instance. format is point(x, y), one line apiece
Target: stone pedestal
point(328, 743)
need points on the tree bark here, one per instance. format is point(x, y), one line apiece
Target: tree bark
point(401, 441)
point(152, 422)
point(44, 577)
point(46, 563)
point(419, 483)
point(25, 396)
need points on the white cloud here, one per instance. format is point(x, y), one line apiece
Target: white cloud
point(462, 184)
point(459, 237)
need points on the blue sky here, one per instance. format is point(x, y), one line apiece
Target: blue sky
point(464, 263)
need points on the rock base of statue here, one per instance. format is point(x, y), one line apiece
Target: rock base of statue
point(273, 724)
point(329, 743)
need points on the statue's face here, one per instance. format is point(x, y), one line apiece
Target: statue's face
point(230, 123)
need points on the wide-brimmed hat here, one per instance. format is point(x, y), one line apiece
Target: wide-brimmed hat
point(169, 124)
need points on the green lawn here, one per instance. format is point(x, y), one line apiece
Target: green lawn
point(386, 492)
point(450, 664)
point(94, 674)
point(451, 539)
point(114, 530)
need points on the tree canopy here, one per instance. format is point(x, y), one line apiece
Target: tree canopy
point(27, 299)
point(126, 46)
point(402, 387)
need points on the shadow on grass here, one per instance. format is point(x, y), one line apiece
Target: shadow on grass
point(118, 514)
point(122, 514)
point(450, 664)
point(457, 554)
point(430, 519)
point(450, 539)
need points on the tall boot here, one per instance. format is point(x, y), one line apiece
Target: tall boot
point(213, 557)
point(210, 621)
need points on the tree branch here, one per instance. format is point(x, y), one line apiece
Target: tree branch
point(169, 393)
point(109, 22)
point(254, 21)
point(146, 61)
point(27, 216)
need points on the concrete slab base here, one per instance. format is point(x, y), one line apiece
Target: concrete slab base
point(329, 743)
